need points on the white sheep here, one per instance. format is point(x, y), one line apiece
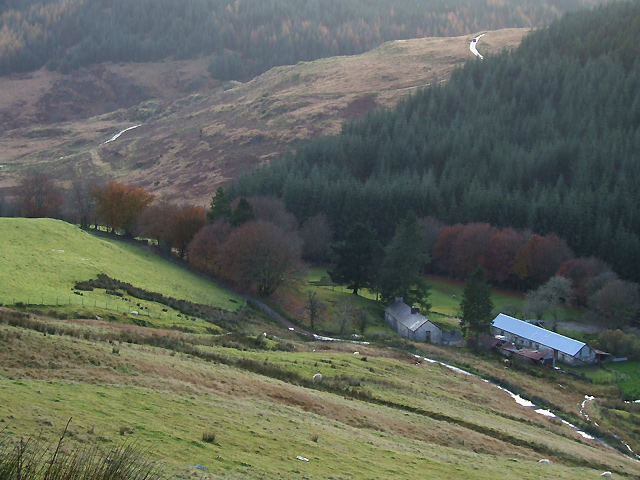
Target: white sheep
point(606, 474)
point(544, 461)
point(133, 312)
point(317, 377)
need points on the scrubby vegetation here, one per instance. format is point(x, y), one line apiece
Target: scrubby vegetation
point(34, 458)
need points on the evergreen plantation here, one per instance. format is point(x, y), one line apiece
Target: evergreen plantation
point(544, 138)
point(244, 37)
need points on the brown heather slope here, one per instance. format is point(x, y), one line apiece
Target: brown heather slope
point(195, 132)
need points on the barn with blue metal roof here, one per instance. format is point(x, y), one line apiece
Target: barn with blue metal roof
point(527, 335)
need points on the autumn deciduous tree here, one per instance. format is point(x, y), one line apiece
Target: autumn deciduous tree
point(119, 206)
point(615, 304)
point(500, 257)
point(470, 248)
point(183, 224)
point(539, 259)
point(273, 210)
point(580, 271)
point(38, 196)
point(203, 251)
point(153, 223)
point(259, 255)
point(443, 249)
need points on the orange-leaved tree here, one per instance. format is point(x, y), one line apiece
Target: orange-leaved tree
point(184, 223)
point(118, 206)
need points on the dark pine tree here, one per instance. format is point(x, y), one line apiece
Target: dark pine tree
point(476, 306)
point(220, 206)
point(404, 259)
point(355, 258)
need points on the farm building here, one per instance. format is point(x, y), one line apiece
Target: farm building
point(409, 323)
point(527, 335)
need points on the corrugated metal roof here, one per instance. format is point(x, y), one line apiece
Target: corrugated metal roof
point(539, 335)
point(402, 313)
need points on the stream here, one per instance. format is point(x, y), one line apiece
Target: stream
point(115, 137)
point(541, 411)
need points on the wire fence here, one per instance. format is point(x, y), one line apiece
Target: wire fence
point(129, 308)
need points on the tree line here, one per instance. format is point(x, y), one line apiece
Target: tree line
point(244, 37)
point(544, 138)
point(256, 244)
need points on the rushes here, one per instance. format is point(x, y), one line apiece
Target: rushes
point(32, 459)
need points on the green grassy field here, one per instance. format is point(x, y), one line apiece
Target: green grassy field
point(628, 378)
point(377, 414)
point(42, 259)
point(445, 296)
point(432, 422)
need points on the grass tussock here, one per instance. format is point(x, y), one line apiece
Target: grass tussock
point(37, 459)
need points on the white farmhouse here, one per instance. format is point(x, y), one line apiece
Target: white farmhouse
point(409, 323)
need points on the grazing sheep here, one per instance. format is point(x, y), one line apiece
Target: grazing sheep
point(544, 461)
point(133, 312)
point(356, 353)
point(606, 474)
point(317, 377)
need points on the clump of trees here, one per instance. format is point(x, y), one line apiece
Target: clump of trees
point(243, 39)
point(255, 243)
point(252, 243)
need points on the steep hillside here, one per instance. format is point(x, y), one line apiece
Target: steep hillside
point(544, 138)
point(196, 133)
point(256, 413)
point(244, 38)
point(41, 260)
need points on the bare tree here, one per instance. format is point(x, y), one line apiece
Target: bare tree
point(81, 204)
point(551, 298)
point(345, 313)
point(314, 308)
point(38, 196)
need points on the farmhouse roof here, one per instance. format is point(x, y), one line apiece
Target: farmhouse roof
point(537, 334)
point(402, 313)
point(533, 354)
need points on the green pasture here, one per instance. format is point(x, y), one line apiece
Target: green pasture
point(445, 296)
point(624, 374)
point(253, 439)
point(628, 378)
point(42, 259)
point(165, 401)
